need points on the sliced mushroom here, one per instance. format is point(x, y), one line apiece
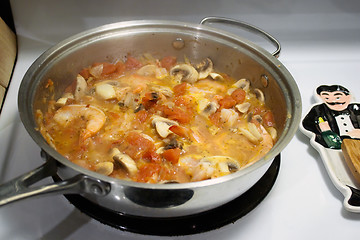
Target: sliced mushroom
point(216, 76)
point(222, 164)
point(257, 118)
point(105, 91)
point(139, 108)
point(166, 91)
point(147, 70)
point(130, 100)
point(162, 125)
point(243, 83)
point(259, 95)
point(63, 100)
point(184, 72)
point(172, 143)
point(205, 68)
point(104, 168)
point(273, 133)
point(243, 107)
point(161, 73)
point(81, 87)
point(207, 107)
point(125, 160)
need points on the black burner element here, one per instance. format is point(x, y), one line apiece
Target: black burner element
point(192, 224)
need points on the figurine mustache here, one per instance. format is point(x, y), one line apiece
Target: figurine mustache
point(335, 103)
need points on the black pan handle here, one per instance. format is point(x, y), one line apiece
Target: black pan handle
point(248, 27)
point(21, 187)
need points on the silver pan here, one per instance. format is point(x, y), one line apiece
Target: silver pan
point(230, 53)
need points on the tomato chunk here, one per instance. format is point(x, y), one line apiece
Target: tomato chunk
point(181, 131)
point(140, 147)
point(168, 62)
point(268, 119)
point(142, 116)
point(85, 73)
point(239, 95)
point(132, 63)
point(180, 89)
point(177, 114)
point(146, 172)
point(227, 102)
point(172, 155)
point(108, 68)
point(149, 100)
point(215, 118)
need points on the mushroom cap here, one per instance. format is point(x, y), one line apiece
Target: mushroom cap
point(243, 83)
point(205, 68)
point(185, 72)
point(259, 95)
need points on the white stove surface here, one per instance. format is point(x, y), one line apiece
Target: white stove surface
point(320, 45)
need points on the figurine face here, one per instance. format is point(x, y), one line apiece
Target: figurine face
point(337, 100)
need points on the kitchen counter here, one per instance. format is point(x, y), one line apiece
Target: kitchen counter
point(320, 45)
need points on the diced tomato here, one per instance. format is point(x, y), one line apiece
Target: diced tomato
point(132, 63)
point(151, 155)
point(172, 155)
point(108, 68)
point(238, 95)
point(71, 88)
point(85, 73)
point(181, 131)
point(149, 100)
point(168, 62)
point(227, 102)
point(180, 89)
point(177, 114)
point(183, 101)
point(256, 110)
point(147, 171)
point(140, 147)
point(268, 119)
point(142, 115)
point(120, 68)
point(215, 118)
point(113, 116)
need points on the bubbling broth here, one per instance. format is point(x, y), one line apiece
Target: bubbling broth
point(158, 120)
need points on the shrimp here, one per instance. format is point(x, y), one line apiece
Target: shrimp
point(95, 118)
point(209, 167)
point(267, 142)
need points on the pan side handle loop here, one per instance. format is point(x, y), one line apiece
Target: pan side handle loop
point(248, 27)
point(20, 187)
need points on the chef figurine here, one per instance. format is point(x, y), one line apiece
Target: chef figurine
point(335, 119)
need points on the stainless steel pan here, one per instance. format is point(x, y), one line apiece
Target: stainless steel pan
point(230, 53)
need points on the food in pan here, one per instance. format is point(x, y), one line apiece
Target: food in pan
point(159, 120)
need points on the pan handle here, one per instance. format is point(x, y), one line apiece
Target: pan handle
point(248, 27)
point(21, 187)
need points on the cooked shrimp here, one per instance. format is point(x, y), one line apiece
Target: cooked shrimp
point(265, 145)
point(210, 167)
point(95, 118)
